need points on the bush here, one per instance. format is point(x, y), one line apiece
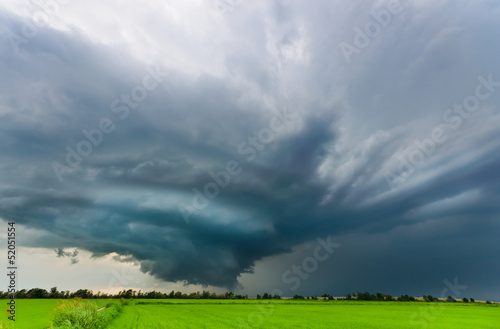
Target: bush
point(108, 314)
point(78, 314)
point(75, 314)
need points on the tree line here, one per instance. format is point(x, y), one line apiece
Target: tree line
point(382, 297)
point(54, 293)
point(39, 293)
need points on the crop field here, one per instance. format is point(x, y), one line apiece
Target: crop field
point(222, 314)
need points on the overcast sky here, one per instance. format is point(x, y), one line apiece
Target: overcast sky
point(297, 146)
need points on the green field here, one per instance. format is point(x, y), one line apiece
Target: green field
point(35, 313)
point(221, 314)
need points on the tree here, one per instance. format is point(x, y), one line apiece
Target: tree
point(465, 300)
point(428, 298)
point(54, 293)
point(472, 300)
point(37, 293)
point(450, 299)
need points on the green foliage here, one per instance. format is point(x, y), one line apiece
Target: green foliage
point(83, 314)
point(75, 314)
point(106, 316)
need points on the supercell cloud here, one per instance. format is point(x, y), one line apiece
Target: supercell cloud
point(198, 139)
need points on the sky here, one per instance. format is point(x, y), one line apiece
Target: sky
point(294, 147)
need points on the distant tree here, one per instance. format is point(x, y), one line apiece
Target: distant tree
point(54, 293)
point(450, 299)
point(348, 296)
point(82, 293)
point(20, 293)
point(128, 294)
point(37, 293)
point(259, 296)
point(472, 300)
point(488, 302)
point(465, 300)
point(380, 296)
point(406, 298)
point(389, 298)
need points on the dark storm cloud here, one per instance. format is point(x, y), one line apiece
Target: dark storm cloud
point(72, 255)
point(324, 174)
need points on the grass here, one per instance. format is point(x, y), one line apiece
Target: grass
point(75, 313)
point(305, 314)
point(234, 314)
point(36, 313)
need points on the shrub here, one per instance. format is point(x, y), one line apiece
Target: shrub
point(78, 314)
point(75, 314)
point(108, 314)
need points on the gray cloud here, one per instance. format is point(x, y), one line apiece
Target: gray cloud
point(323, 175)
point(72, 255)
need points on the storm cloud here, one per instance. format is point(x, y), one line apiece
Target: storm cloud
point(199, 140)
